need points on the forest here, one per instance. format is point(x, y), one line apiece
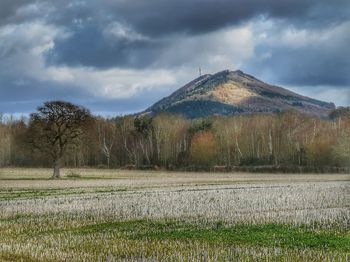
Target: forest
point(287, 140)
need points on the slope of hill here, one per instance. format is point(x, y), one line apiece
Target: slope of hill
point(234, 92)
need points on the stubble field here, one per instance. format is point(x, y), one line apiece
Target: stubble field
point(118, 215)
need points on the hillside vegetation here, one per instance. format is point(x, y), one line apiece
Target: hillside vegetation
point(232, 93)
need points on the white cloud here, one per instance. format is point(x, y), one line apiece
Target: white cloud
point(276, 33)
point(112, 83)
point(27, 10)
point(117, 31)
point(22, 47)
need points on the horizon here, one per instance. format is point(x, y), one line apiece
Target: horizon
point(103, 57)
point(9, 115)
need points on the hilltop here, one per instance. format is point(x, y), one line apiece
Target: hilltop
point(234, 92)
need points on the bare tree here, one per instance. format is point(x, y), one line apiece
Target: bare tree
point(5, 145)
point(169, 132)
point(55, 126)
point(107, 136)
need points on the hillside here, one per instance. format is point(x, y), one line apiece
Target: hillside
point(234, 92)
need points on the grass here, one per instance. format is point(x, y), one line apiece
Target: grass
point(150, 216)
point(8, 194)
point(73, 174)
point(167, 238)
point(253, 235)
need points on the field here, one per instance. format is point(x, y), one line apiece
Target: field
point(118, 215)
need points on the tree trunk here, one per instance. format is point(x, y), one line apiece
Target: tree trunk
point(56, 169)
point(108, 161)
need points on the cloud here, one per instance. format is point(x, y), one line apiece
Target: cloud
point(21, 11)
point(158, 17)
point(124, 55)
point(340, 95)
point(107, 47)
point(292, 56)
point(24, 95)
point(9, 8)
point(226, 48)
point(117, 31)
point(113, 83)
point(119, 46)
point(25, 78)
point(137, 34)
point(28, 59)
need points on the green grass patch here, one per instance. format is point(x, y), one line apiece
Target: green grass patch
point(270, 235)
point(9, 194)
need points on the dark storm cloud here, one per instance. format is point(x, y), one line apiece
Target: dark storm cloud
point(159, 17)
point(8, 9)
point(20, 11)
point(89, 46)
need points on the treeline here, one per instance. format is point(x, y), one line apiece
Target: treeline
point(172, 142)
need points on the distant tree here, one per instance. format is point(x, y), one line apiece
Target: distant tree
point(55, 126)
point(170, 138)
point(144, 135)
point(340, 112)
point(202, 124)
point(107, 136)
point(227, 130)
point(128, 153)
point(342, 149)
point(203, 149)
point(143, 125)
point(5, 145)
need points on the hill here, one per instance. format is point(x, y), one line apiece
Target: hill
point(234, 92)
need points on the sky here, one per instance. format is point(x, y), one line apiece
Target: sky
point(120, 56)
